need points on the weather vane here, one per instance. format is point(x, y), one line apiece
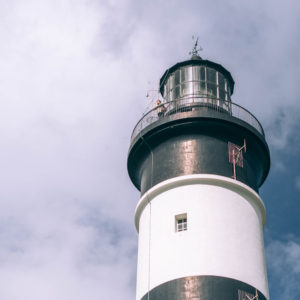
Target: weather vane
point(195, 50)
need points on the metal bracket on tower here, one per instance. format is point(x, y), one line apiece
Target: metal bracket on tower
point(235, 153)
point(247, 296)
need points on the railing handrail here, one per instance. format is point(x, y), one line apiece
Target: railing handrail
point(178, 105)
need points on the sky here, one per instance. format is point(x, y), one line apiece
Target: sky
point(73, 80)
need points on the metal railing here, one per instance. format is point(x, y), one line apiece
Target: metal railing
point(196, 104)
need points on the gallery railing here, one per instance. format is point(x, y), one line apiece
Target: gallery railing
point(193, 104)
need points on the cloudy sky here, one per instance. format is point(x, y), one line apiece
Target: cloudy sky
point(73, 80)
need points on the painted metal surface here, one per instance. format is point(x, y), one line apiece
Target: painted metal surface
point(224, 236)
point(204, 288)
point(196, 143)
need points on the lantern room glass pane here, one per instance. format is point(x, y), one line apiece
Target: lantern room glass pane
point(171, 82)
point(167, 85)
point(167, 97)
point(201, 81)
point(211, 75)
point(177, 92)
point(187, 89)
point(177, 77)
point(221, 81)
point(197, 89)
point(200, 87)
point(203, 87)
point(171, 95)
point(227, 97)
point(202, 73)
point(222, 94)
point(227, 88)
point(186, 74)
point(196, 73)
point(211, 89)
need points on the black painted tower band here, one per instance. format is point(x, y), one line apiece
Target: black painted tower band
point(196, 142)
point(203, 288)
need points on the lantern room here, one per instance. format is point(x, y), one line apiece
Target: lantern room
point(197, 81)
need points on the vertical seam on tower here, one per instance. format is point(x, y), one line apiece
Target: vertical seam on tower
point(149, 202)
point(149, 259)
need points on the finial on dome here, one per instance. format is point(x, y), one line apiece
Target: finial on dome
point(195, 50)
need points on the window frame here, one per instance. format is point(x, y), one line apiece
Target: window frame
point(181, 222)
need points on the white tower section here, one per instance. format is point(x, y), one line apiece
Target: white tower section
point(223, 236)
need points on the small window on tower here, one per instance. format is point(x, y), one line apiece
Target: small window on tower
point(181, 222)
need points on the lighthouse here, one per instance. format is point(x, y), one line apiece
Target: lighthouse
point(198, 160)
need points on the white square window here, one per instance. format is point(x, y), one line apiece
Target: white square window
point(181, 222)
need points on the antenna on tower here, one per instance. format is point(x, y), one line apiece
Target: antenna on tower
point(236, 155)
point(154, 94)
point(195, 50)
point(254, 297)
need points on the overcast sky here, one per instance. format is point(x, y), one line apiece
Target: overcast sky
point(73, 80)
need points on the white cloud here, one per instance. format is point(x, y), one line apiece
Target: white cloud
point(64, 226)
point(65, 249)
point(282, 130)
point(284, 266)
point(72, 84)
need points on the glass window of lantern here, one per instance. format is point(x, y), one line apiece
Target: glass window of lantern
point(196, 73)
point(171, 95)
point(222, 94)
point(211, 89)
point(186, 74)
point(176, 92)
point(197, 89)
point(186, 89)
point(227, 97)
point(177, 77)
point(211, 75)
point(202, 73)
point(167, 97)
point(168, 85)
point(171, 82)
point(200, 87)
point(221, 80)
point(227, 87)
point(165, 91)
point(203, 87)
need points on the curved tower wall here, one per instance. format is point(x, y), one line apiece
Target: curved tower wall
point(200, 218)
point(223, 239)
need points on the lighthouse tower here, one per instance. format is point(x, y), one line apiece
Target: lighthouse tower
point(198, 160)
